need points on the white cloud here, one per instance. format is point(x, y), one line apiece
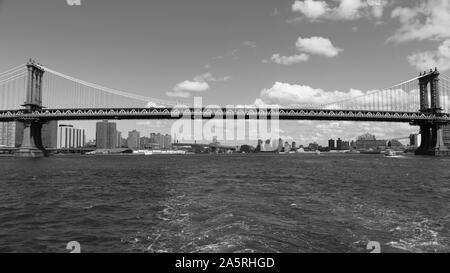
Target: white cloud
point(429, 59)
point(343, 10)
point(250, 44)
point(208, 77)
point(306, 46)
point(310, 8)
point(184, 89)
point(289, 94)
point(289, 60)
point(317, 45)
point(428, 20)
point(200, 83)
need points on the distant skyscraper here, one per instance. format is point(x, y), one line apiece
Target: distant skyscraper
point(133, 140)
point(332, 144)
point(107, 136)
point(339, 145)
point(113, 135)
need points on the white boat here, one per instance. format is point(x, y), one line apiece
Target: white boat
point(390, 153)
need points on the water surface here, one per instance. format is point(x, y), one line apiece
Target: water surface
point(225, 203)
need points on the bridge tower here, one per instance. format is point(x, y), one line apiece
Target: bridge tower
point(432, 131)
point(32, 141)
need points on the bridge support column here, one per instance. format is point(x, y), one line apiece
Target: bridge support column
point(431, 132)
point(432, 140)
point(32, 139)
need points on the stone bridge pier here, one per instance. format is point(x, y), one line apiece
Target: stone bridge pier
point(432, 133)
point(32, 140)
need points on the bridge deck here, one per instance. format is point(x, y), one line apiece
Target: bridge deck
point(235, 113)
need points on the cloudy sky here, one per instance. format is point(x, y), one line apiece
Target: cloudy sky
point(235, 52)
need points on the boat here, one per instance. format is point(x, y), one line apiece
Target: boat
point(390, 153)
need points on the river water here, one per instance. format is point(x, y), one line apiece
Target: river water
point(225, 203)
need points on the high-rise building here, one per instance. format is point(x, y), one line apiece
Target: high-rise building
point(160, 141)
point(50, 135)
point(107, 136)
point(144, 143)
point(339, 144)
point(11, 134)
point(133, 140)
point(70, 137)
point(332, 144)
point(113, 136)
point(345, 146)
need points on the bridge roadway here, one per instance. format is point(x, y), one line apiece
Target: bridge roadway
point(209, 113)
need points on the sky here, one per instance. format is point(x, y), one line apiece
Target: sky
point(234, 52)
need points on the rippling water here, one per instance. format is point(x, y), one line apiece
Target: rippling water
point(237, 203)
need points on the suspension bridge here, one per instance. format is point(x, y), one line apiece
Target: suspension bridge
point(34, 94)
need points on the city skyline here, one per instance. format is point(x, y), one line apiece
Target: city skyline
point(265, 56)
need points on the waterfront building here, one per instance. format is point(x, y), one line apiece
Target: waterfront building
point(369, 142)
point(69, 137)
point(313, 147)
point(144, 143)
point(353, 145)
point(339, 144)
point(332, 144)
point(345, 145)
point(11, 134)
point(133, 140)
point(50, 135)
point(160, 141)
point(107, 136)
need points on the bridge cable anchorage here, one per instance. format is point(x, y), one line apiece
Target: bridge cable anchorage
point(89, 95)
